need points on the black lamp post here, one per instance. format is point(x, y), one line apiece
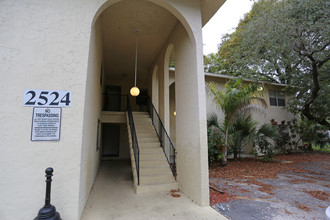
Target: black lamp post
point(48, 212)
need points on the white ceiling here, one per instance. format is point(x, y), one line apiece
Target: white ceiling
point(119, 25)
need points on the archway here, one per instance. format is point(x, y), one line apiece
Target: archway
point(169, 77)
point(155, 87)
point(172, 113)
point(158, 23)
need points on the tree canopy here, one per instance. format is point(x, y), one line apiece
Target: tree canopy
point(284, 41)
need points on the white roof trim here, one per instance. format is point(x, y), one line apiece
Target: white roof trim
point(232, 77)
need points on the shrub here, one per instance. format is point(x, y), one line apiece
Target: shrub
point(293, 133)
point(241, 133)
point(312, 133)
point(286, 142)
point(216, 145)
point(264, 135)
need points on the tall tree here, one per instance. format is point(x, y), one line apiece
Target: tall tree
point(211, 64)
point(285, 41)
point(238, 97)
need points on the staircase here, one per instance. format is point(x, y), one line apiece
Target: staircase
point(155, 173)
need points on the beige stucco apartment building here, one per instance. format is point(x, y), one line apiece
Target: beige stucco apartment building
point(59, 62)
point(273, 93)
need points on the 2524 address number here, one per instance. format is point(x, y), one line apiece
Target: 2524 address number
point(47, 98)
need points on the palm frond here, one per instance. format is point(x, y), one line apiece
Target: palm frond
point(252, 107)
point(212, 119)
point(269, 131)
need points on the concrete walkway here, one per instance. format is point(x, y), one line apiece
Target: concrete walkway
point(112, 197)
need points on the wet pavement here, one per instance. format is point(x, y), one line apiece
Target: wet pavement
point(290, 196)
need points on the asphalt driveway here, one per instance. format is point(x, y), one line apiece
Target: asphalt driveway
point(300, 193)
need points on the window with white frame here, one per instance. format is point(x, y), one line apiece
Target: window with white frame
point(276, 98)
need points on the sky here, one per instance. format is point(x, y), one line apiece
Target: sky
point(224, 21)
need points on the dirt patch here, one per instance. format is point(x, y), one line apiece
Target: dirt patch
point(319, 195)
point(175, 193)
point(263, 187)
point(297, 181)
point(302, 207)
point(216, 197)
point(287, 212)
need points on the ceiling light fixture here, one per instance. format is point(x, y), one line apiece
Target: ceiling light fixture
point(135, 91)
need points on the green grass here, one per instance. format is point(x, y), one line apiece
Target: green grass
point(324, 149)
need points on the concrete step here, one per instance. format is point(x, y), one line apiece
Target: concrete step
point(148, 140)
point(147, 135)
point(144, 126)
point(155, 178)
point(148, 158)
point(151, 156)
point(154, 170)
point(153, 163)
point(150, 145)
point(140, 113)
point(142, 117)
point(139, 130)
point(145, 151)
point(143, 131)
point(142, 122)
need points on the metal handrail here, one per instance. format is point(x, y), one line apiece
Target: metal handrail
point(135, 144)
point(164, 139)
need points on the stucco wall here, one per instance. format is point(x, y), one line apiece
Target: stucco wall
point(210, 105)
point(90, 155)
point(44, 45)
point(274, 112)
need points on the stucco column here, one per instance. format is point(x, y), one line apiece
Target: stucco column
point(191, 134)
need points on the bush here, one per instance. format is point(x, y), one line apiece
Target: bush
point(216, 145)
point(241, 133)
point(292, 134)
point(286, 142)
point(265, 134)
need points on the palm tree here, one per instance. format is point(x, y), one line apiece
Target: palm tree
point(241, 132)
point(238, 97)
point(263, 135)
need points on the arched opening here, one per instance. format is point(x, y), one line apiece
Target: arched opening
point(172, 113)
point(169, 77)
point(155, 87)
point(111, 75)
